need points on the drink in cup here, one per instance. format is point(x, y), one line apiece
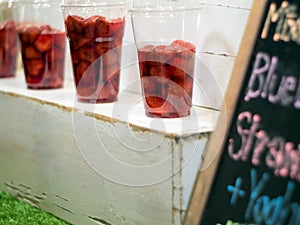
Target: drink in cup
point(166, 73)
point(166, 35)
point(42, 42)
point(8, 42)
point(95, 34)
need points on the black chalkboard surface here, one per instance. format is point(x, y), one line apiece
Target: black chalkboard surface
point(255, 177)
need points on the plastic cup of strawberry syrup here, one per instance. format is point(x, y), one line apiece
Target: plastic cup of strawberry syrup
point(42, 41)
point(165, 34)
point(8, 41)
point(95, 30)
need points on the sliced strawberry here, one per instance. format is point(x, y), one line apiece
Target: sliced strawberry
point(186, 45)
point(102, 47)
point(59, 40)
point(111, 57)
point(43, 42)
point(29, 35)
point(32, 53)
point(109, 71)
point(56, 53)
point(161, 72)
point(75, 57)
point(148, 86)
point(102, 28)
point(154, 101)
point(87, 53)
point(86, 74)
point(34, 67)
point(117, 27)
point(45, 28)
point(89, 26)
point(74, 25)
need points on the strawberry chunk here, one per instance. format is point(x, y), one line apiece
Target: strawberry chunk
point(148, 85)
point(87, 53)
point(29, 35)
point(56, 53)
point(32, 53)
point(34, 67)
point(102, 28)
point(59, 39)
point(43, 42)
point(154, 101)
point(185, 45)
point(160, 71)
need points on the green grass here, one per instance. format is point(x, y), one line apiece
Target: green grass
point(16, 212)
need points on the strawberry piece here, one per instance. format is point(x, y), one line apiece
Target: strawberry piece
point(76, 31)
point(102, 28)
point(185, 45)
point(28, 35)
point(109, 91)
point(148, 86)
point(89, 27)
point(8, 35)
point(32, 53)
point(45, 29)
point(87, 53)
point(111, 57)
point(34, 67)
point(154, 101)
point(161, 73)
point(109, 71)
point(74, 25)
point(117, 27)
point(43, 42)
point(86, 74)
point(56, 53)
point(102, 47)
point(59, 40)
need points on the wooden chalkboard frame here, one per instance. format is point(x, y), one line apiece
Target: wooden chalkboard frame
point(216, 143)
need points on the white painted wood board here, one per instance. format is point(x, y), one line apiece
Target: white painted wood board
point(89, 164)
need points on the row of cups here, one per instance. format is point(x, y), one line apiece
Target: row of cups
point(165, 34)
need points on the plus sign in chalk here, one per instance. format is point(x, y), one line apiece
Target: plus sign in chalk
point(236, 191)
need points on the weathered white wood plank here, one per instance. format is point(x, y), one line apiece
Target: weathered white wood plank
point(88, 165)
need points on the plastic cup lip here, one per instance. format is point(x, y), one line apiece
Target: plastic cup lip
point(178, 7)
point(92, 5)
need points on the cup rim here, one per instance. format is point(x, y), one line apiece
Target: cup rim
point(166, 8)
point(104, 4)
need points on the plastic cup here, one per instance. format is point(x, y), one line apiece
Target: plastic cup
point(8, 42)
point(42, 40)
point(166, 35)
point(95, 32)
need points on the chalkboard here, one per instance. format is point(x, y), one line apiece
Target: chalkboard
point(255, 176)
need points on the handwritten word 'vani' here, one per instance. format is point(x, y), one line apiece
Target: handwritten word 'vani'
point(258, 147)
point(287, 22)
point(266, 83)
point(261, 209)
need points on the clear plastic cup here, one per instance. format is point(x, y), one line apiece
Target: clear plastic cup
point(95, 31)
point(8, 41)
point(166, 36)
point(42, 40)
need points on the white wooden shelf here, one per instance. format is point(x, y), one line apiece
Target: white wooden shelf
point(98, 164)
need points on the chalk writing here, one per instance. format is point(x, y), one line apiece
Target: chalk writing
point(265, 83)
point(236, 191)
point(229, 222)
point(287, 22)
point(262, 209)
point(259, 147)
